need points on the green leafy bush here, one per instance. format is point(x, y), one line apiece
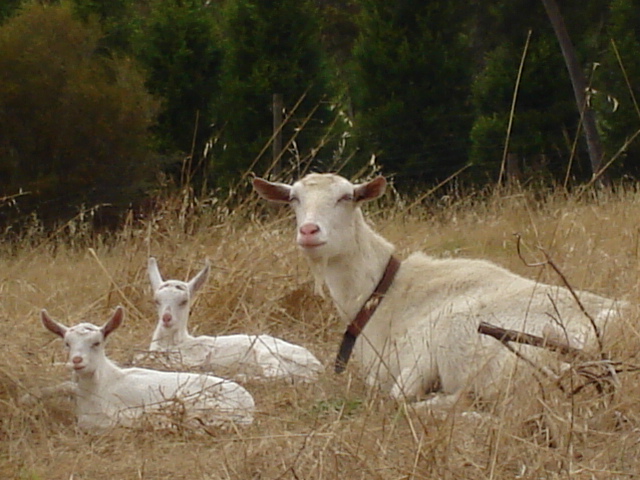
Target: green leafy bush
point(74, 123)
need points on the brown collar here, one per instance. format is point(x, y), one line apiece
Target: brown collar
point(365, 313)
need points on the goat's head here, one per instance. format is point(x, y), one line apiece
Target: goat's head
point(84, 341)
point(326, 208)
point(173, 297)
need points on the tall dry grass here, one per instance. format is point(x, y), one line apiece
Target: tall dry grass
point(337, 428)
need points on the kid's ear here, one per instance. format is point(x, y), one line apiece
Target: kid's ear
point(114, 322)
point(154, 273)
point(51, 325)
point(199, 280)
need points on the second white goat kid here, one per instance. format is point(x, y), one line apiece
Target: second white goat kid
point(246, 356)
point(107, 395)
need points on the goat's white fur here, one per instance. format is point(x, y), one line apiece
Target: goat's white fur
point(254, 356)
point(107, 395)
point(424, 334)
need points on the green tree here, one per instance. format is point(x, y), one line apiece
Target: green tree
point(579, 84)
point(338, 28)
point(269, 47)
point(545, 110)
point(617, 93)
point(74, 124)
point(118, 20)
point(180, 48)
point(7, 8)
point(412, 70)
point(546, 119)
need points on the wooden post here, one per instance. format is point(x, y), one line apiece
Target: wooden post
point(277, 132)
point(514, 173)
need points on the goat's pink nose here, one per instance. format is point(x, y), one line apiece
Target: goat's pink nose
point(166, 318)
point(76, 360)
point(309, 229)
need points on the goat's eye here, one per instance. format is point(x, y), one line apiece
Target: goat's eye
point(96, 344)
point(294, 199)
point(183, 303)
point(157, 302)
point(66, 344)
point(347, 197)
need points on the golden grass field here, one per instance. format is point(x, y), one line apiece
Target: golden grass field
point(336, 428)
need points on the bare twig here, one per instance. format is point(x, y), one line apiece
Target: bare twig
point(249, 171)
point(124, 297)
point(418, 200)
point(506, 335)
point(513, 107)
point(597, 175)
point(550, 262)
point(603, 374)
point(521, 256)
point(292, 139)
point(11, 198)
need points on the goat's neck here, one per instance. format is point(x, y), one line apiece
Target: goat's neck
point(352, 276)
point(166, 338)
point(106, 375)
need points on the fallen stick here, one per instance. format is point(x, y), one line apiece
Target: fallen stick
point(505, 335)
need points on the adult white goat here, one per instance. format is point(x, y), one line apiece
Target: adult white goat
point(420, 326)
point(107, 395)
point(254, 356)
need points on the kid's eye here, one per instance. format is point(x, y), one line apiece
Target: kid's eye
point(183, 303)
point(96, 344)
point(347, 197)
point(294, 199)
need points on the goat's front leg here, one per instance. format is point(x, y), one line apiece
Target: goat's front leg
point(408, 384)
point(67, 389)
point(439, 402)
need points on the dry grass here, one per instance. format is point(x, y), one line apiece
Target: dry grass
point(337, 428)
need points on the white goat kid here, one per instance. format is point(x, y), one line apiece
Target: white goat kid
point(424, 333)
point(107, 395)
point(253, 356)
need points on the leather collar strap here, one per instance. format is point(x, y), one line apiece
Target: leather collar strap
point(365, 313)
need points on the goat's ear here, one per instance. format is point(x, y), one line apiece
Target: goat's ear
point(198, 281)
point(370, 190)
point(51, 325)
point(272, 191)
point(154, 273)
point(114, 322)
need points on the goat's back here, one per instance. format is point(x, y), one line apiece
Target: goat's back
point(429, 322)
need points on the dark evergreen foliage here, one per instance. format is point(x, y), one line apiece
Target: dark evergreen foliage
point(617, 92)
point(7, 8)
point(117, 18)
point(180, 48)
point(546, 119)
point(426, 87)
point(269, 47)
point(412, 68)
